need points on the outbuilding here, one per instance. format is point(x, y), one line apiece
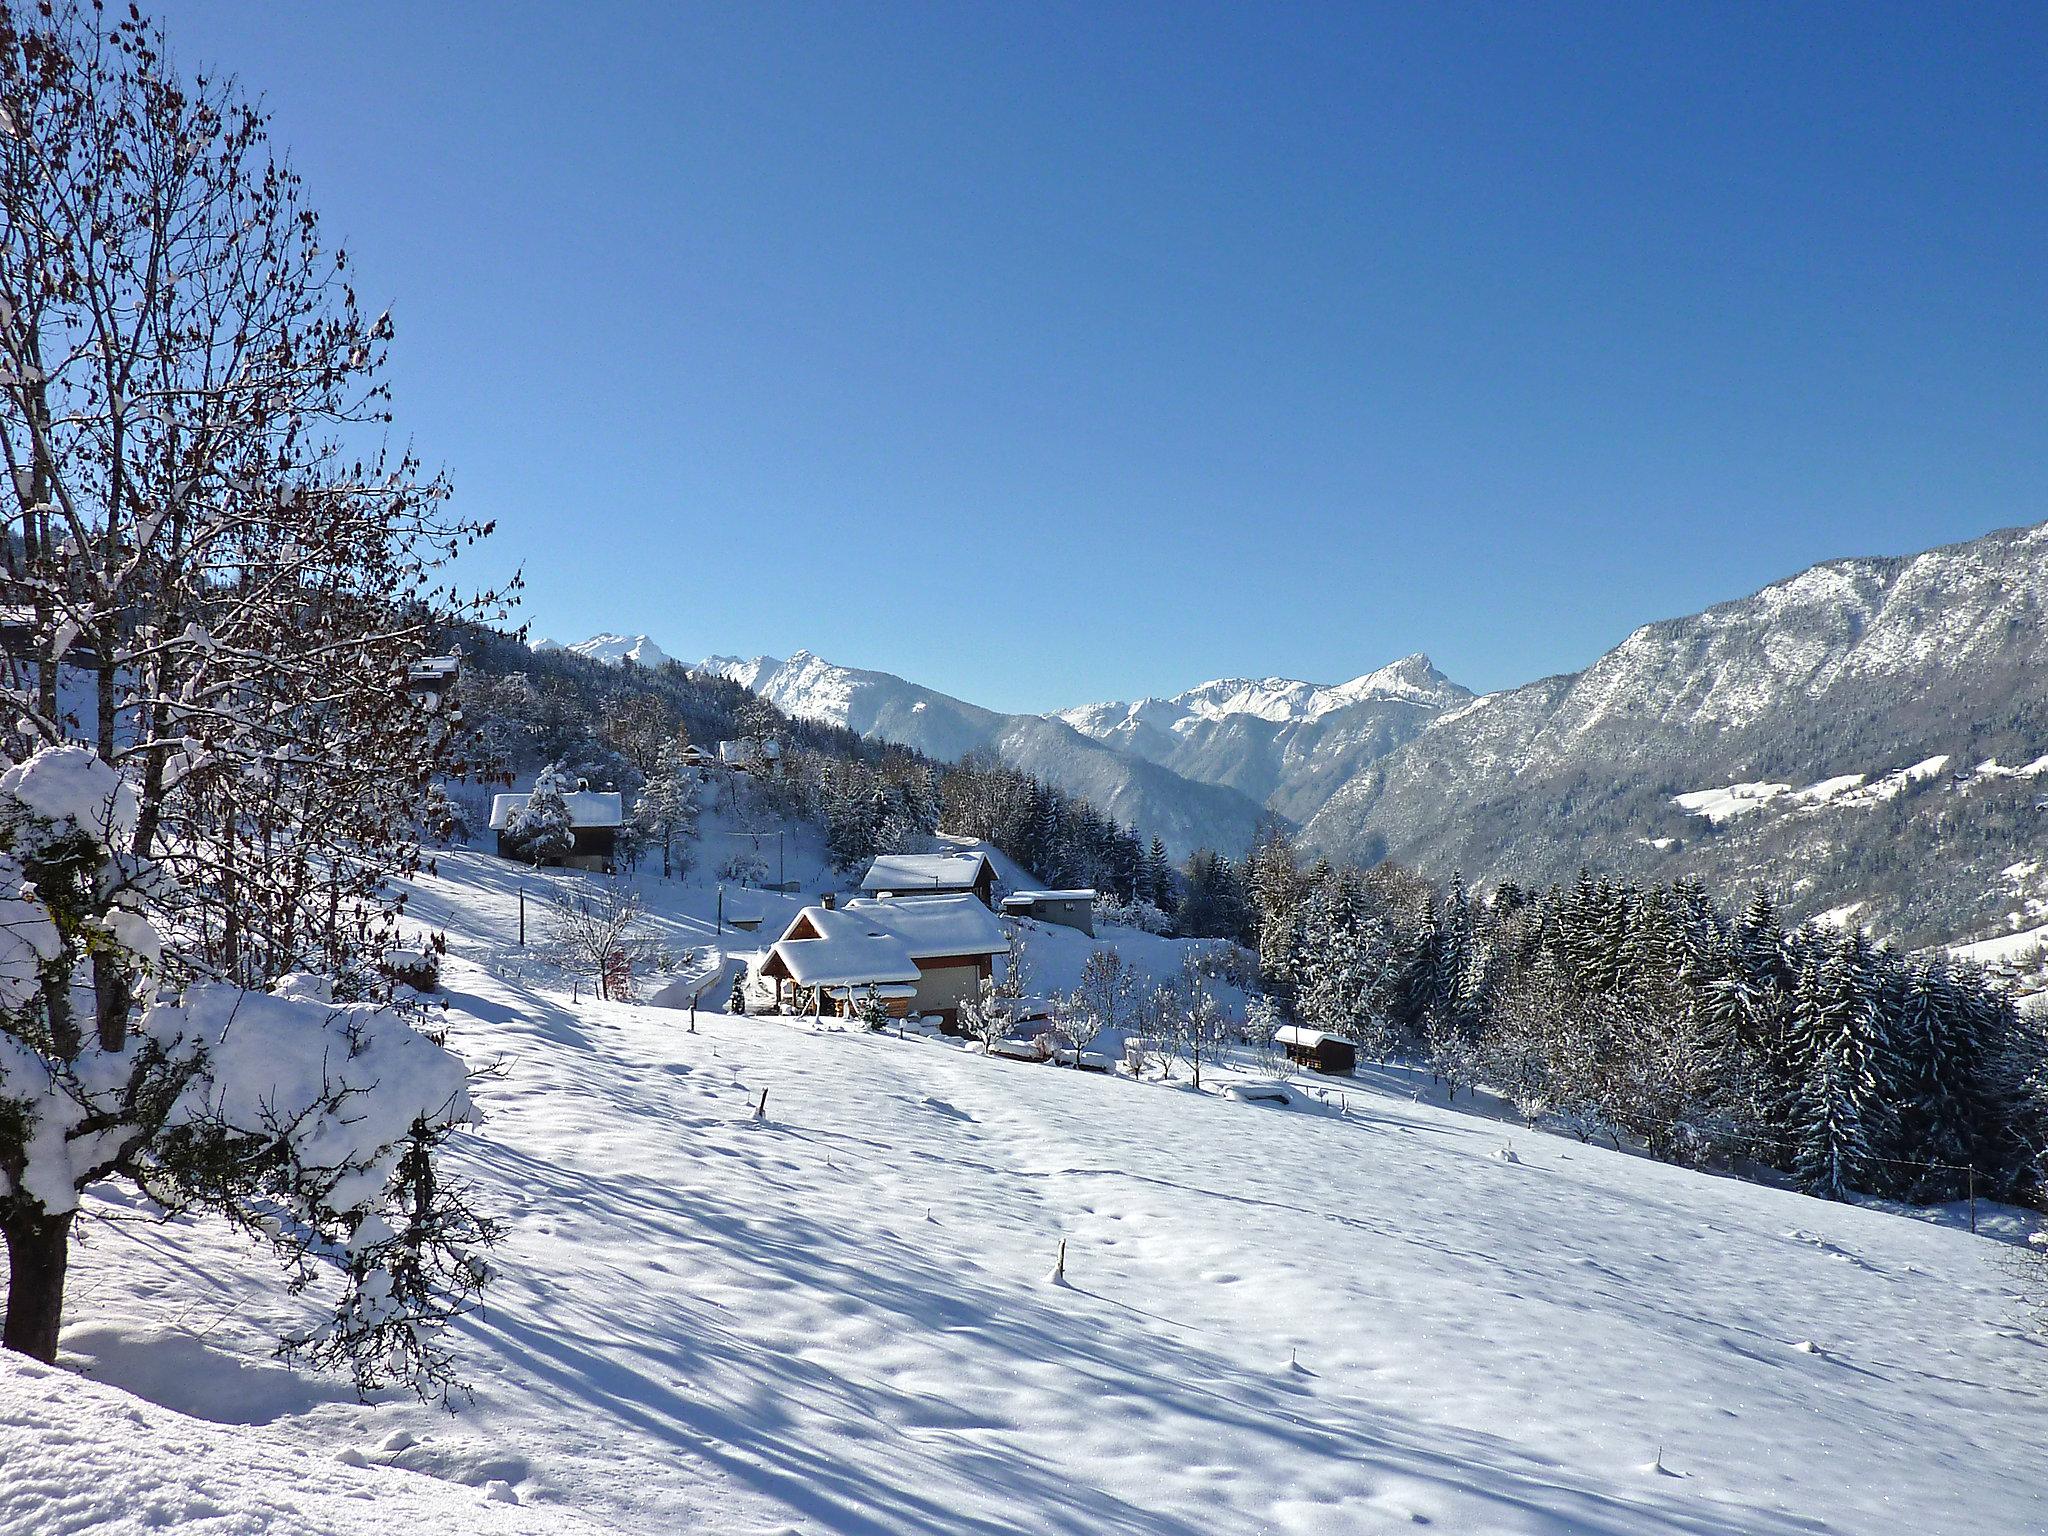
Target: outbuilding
point(1318, 1049)
point(1069, 909)
point(932, 874)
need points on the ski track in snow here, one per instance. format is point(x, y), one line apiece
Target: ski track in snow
point(839, 1318)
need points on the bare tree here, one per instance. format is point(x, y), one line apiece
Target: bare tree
point(1104, 999)
point(216, 575)
point(207, 528)
point(593, 930)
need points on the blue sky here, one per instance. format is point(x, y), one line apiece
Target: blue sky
point(1045, 353)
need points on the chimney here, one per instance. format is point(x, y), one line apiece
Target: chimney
point(829, 901)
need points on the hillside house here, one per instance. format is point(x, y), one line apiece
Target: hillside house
point(761, 758)
point(921, 955)
point(595, 817)
point(1069, 909)
point(1318, 1049)
point(932, 874)
point(431, 679)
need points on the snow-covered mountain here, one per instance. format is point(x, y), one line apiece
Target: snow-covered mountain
point(612, 649)
point(1854, 673)
point(1285, 743)
point(1849, 679)
point(1184, 813)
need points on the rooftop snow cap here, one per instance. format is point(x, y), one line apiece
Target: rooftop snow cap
point(926, 871)
point(587, 808)
point(882, 941)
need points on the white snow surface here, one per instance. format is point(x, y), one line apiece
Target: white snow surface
point(1332, 1315)
point(1843, 790)
point(82, 1457)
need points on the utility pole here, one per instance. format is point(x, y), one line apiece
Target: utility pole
point(721, 911)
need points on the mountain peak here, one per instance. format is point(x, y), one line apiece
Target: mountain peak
point(1414, 679)
point(614, 649)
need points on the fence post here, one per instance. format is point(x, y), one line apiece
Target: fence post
point(1973, 1198)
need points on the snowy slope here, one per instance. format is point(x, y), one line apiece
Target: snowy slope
point(84, 1457)
point(838, 1319)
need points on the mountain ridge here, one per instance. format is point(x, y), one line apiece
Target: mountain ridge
point(1861, 668)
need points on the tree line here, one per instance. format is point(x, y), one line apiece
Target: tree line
point(1654, 1013)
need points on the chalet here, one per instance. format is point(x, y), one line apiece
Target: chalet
point(431, 679)
point(1069, 909)
point(595, 817)
point(761, 758)
point(919, 955)
point(1318, 1049)
point(932, 874)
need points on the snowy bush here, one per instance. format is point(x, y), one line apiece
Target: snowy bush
point(419, 969)
point(311, 1123)
point(744, 869)
point(1113, 911)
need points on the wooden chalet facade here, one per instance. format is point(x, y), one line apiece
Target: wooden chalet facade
point(1318, 1050)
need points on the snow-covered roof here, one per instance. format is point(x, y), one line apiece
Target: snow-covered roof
point(1026, 897)
point(434, 668)
point(842, 949)
point(926, 871)
point(935, 926)
point(1307, 1039)
point(867, 942)
point(587, 808)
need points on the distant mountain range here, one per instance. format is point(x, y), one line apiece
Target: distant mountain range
point(638, 649)
point(1183, 812)
point(1790, 738)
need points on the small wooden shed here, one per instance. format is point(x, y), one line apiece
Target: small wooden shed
point(1318, 1050)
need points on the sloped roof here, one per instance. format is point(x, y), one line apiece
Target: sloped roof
point(587, 808)
point(935, 926)
point(878, 942)
point(925, 871)
point(845, 949)
point(1078, 894)
point(1307, 1039)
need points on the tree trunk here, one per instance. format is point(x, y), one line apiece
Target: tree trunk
point(38, 1250)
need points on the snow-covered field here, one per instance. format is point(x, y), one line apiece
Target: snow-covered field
point(839, 1318)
